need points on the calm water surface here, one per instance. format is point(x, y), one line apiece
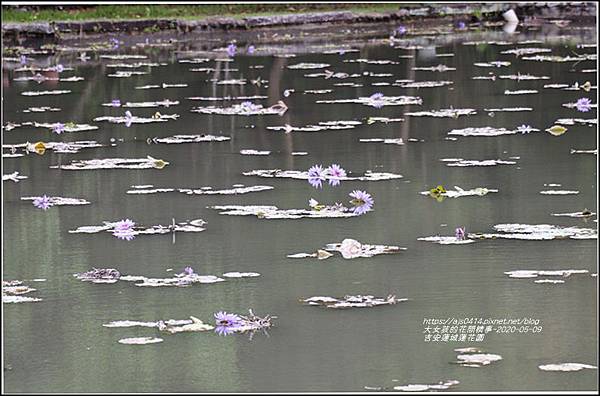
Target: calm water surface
point(59, 344)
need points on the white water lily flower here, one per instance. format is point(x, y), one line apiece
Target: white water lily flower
point(350, 248)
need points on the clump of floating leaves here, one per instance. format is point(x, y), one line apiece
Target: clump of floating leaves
point(349, 301)
point(114, 163)
point(349, 249)
point(244, 108)
point(472, 357)
point(440, 193)
point(12, 292)
point(229, 323)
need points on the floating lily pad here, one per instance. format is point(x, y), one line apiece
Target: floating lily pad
point(140, 340)
point(477, 359)
point(273, 212)
point(321, 126)
point(450, 113)
point(236, 274)
point(40, 93)
point(349, 249)
point(303, 175)
point(520, 92)
point(566, 367)
point(114, 163)
point(318, 91)
point(233, 81)
point(126, 73)
point(254, 152)
point(438, 68)
point(372, 61)
point(526, 51)
point(60, 201)
point(68, 127)
point(573, 121)
point(137, 120)
point(559, 192)
point(522, 77)
point(537, 232)
point(358, 301)
point(178, 139)
point(380, 101)
point(99, 275)
point(486, 131)
point(135, 323)
point(199, 191)
point(19, 299)
point(582, 214)
point(463, 163)
point(227, 98)
point(123, 56)
point(245, 109)
point(12, 292)
point(459, 192)
point(191, 226)
point(559, 59)
point(423, 84)
point(111, 275)
point(135, 65)
point(536, 273)
point(163, 86)
point(159, 103)
point(41, 109)
point(305, 66)
point(442, 385)
point(384, 120)
point(509, 109)
point(397, 141)
point(446, 240)
point(492, 64)
point(594, 151)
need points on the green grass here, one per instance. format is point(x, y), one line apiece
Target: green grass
point(116, 12)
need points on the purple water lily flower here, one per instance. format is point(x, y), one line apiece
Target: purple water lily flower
point(335, 172)
point(524, 128)
point(58, 128)
point(127, 235)
point(188, 271)
point(461, 25)
point(42, 202)
point(124, 225)
point(251, 49)
point(114, 42)
point(363, 202)
point(376, 100)
point(460, 233)
point(59, 68)
point(23, 60)
point(249, 106)
point(115, 103)
point(231, 49)
point(583, 104)
point(401, 30)
point(316, 175)
point(226, 323)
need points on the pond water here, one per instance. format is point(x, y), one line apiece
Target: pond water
point(60, 345)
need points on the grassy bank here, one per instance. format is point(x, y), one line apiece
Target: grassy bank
point(121, 12)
